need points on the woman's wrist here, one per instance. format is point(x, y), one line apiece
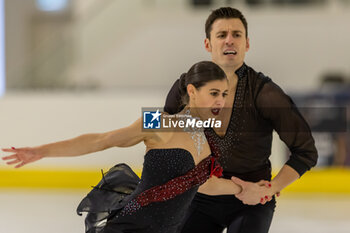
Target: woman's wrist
point(275, 187)
point(238, 189)
point(40, 150)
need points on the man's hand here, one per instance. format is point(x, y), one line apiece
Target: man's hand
point(254, 193)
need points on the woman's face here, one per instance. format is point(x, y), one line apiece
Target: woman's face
point(209, 99)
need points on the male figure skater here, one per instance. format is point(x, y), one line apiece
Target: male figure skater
point(259, 106)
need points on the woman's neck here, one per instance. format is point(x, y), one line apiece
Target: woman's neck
point(190, 110)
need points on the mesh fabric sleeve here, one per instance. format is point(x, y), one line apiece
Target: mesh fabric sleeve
point(278, 108)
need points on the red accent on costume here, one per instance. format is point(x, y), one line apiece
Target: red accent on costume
point(197, 176)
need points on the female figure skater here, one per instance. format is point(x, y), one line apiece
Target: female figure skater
point(175, 163)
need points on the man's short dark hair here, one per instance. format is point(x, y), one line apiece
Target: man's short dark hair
point(224, 13)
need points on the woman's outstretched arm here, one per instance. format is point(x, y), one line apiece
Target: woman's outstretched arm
point(83, 144)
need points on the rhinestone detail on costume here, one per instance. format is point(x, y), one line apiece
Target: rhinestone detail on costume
point(174, 187)
point(223, 145)
point(197, 134)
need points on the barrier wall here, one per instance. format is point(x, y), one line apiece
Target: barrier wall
point(29, 119)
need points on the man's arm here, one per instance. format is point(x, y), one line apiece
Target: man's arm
point(292, 129)
point(277, 107)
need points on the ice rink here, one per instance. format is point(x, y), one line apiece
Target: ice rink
point(54, 212)
point(92, 66)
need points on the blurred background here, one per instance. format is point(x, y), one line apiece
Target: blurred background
point(69, 67)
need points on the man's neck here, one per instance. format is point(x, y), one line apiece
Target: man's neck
point(230, 72)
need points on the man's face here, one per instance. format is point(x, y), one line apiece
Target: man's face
point(228, 43)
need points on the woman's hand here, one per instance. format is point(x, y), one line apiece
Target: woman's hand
point(21, 156)
point(254, 193)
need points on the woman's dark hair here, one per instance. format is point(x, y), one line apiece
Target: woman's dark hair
point(198, 75)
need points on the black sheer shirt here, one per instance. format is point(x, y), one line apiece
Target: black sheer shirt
point(260, 106)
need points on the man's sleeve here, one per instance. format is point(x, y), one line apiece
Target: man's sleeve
point(173, 103)
point(290, 125)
